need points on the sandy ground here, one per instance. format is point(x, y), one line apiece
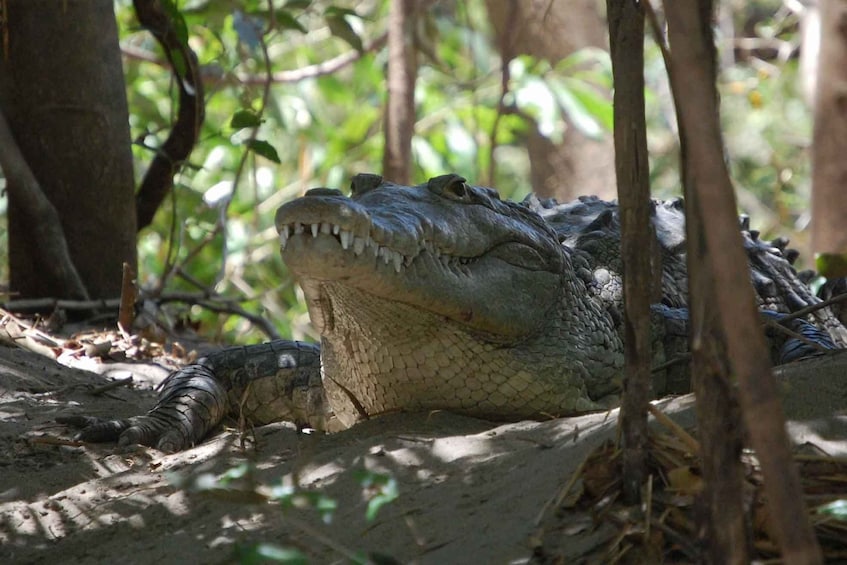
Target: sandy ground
point(469, 491)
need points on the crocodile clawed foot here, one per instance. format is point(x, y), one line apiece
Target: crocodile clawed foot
point(143, 430)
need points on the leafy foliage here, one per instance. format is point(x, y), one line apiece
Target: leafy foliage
point(277, 125)
point(239, 485)
point(271, 134)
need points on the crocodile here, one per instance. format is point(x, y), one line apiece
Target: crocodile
point(442, 296)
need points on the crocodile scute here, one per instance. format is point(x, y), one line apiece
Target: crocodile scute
point(443, 296)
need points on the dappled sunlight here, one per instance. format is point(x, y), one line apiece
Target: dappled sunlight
point(129, 489)
point(826, 434)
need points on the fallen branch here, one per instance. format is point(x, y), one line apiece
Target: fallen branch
point(18, 333)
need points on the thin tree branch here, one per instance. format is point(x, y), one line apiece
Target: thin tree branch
point(626, 38)
point(400, 107)
point(328, 67)
point(717, 256)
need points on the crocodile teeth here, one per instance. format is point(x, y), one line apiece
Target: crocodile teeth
point(283, 237)
point(359, 244)
point(345, 237)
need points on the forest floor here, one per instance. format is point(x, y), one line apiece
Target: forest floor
point(467, 491)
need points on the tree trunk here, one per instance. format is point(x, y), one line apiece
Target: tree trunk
point(626, 38)
point(552, 31)
point(723, 312)
point(400, 107)
point(829, 174)
point(62, 90)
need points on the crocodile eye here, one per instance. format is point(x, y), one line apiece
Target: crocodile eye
point(453, 187)
point(364, 182)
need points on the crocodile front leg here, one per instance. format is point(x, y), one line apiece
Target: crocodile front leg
point(259, 384)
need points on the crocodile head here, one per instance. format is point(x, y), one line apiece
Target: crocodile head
point(447, 248)
point(437, 296)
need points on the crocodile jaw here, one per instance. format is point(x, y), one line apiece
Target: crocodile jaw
point(375, 361)
point(467, 264)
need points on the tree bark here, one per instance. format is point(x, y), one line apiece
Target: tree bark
point(626, 38)
point(54, 260)
point(720, 282)
point(552, 31)
point(400, 107)
point(829, 171)
point(62, 90)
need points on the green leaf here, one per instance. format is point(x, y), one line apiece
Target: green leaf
point(297, 4)
point(587, 56)
point(289, 497)
point(341, 28)
point(831, 265)
point(379, 489)
point(535, 97)
point(244, 119)
point(264, 552)
point(837, 509)
point(263, 148)
point(597, 105)
point(287, 21)
point(339, 12)
point(237, 472)
point(428, 157)
point(579, 115)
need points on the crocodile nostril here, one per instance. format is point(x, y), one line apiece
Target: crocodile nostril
point(323, 192)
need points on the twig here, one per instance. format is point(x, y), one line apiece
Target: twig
point(648, 502)
point(327, 67)
point(29, 305)
point(126, 312)
point(813, 308)
point(19, 333)
point(776, 325)
point(221, 223)
point(677, 430)
point(320, 69)
point(224, 306)
point(681, 358)
point(98, 390)
point(50, 440)
point(658, 36)
point(679, 540)
point(560, 496)
point(327, 541)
